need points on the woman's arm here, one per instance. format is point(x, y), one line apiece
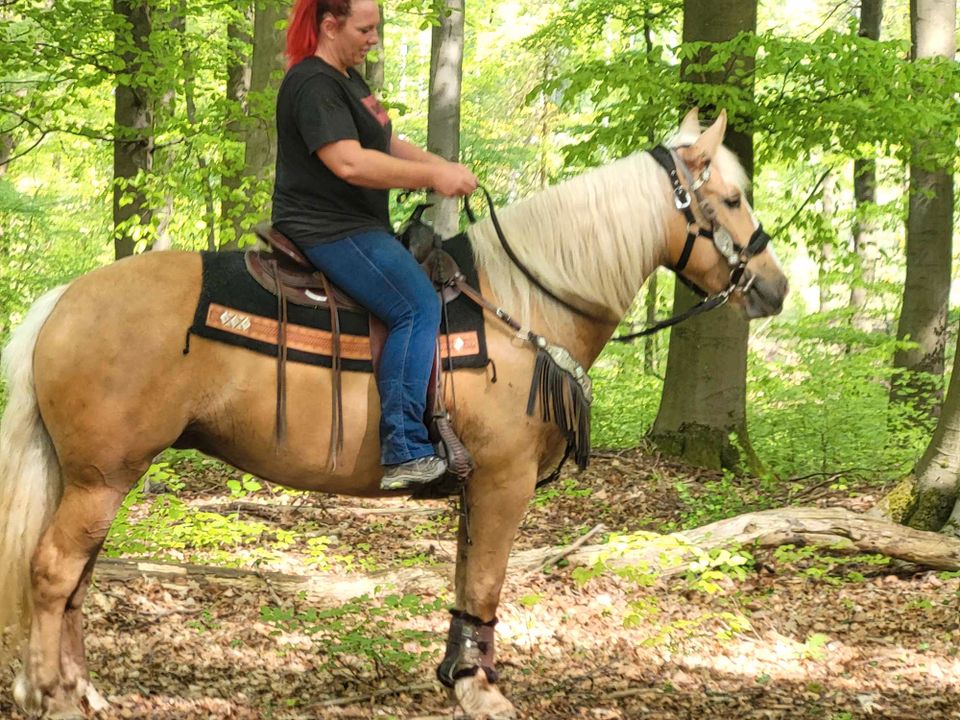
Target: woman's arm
point(354, 164)
point(404, 150)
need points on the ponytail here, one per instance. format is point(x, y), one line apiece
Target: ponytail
point(303, 30)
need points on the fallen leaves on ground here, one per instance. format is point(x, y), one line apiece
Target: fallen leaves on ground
point(800, 637)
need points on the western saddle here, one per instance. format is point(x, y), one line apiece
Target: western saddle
point(286, 273)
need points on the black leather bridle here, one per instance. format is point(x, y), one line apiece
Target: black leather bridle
point(736, 255)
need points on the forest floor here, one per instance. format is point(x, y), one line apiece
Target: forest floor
point(801, 634)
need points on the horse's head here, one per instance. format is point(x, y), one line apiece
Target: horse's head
point(716, 244)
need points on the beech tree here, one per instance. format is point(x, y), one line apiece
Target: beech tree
point(133, 127)
point(239, 46)
point(704, 391)
point(865, 186)
point(443, 118)
point(260, 145)
point(923, 318)
point(929, 500)
point(375, 63)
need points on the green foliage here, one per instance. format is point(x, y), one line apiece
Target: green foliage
point(243, 487)
point(707, 571)
point(815, 647)
point(626, 397)
point(171, 529)
point(817, 402)
point(321, 556)
point(809, 412)
point(362, 636)
point(723, 498)
point(565, 487)
point(818, 564)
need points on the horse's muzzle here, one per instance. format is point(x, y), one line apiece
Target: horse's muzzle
point(765, 297)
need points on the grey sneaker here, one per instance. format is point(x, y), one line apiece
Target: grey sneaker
point(413, 473)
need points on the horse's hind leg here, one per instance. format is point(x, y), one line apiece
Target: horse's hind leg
point(73, 659)
point(62, 558)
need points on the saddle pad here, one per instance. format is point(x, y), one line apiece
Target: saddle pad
point(234, 309)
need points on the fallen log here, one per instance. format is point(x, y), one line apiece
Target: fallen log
point(665, 554)
point(831, 527)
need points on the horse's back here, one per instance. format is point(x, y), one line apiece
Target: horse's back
point(119, 379)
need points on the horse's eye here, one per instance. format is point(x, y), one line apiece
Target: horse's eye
point(733, 203)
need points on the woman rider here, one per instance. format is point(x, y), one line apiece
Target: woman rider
point(337, 158)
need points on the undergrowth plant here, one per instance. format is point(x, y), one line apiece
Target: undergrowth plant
point(365, 636)
point(820, 404)
point(172, 529)
point(704, 571)
point(820, 564)
point(817, 400)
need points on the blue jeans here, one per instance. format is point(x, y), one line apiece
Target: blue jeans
point(380, 274)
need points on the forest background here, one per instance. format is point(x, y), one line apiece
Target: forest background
point(137, 125)
point(144, 126)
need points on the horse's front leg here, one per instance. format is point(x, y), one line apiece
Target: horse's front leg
point(496, 503)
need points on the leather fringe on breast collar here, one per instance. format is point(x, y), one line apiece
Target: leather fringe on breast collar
point(564, 398)
point(560, 384)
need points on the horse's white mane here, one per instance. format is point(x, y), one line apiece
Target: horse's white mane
point(594, 238)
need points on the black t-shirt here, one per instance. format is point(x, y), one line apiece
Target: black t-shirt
point(318, 105)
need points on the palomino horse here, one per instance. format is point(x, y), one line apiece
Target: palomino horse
point(98, 386)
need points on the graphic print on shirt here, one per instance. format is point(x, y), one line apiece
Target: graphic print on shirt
point(376, 109)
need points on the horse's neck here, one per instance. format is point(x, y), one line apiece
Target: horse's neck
point(591, 240)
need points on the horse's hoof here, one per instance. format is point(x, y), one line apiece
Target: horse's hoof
point(480, 700)
point(95, 701)
point(69, 714)
point(64, 706)
point(28, 699)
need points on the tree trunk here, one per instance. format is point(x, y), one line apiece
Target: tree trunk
point(133, 129)
point(831, 527)
point(443, 118)
point(865, 192)
point(704, 391)
point(373, 70)
point(260, 153)
point(239, 40)
point(7, 145)
point(923, 318)
point(664, 555)
point(828, 249)
point(189, 95)
point(937, 472)
point(169, 16)
point(650, 316)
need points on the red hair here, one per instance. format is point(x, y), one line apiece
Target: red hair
point(304, 27)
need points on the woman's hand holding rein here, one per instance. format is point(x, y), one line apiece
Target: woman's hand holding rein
point(453, 180)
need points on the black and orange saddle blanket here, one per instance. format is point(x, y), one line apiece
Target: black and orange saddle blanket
point(235, 309)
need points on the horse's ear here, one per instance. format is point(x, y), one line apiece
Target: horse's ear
point(703, 150)
point(691, 123)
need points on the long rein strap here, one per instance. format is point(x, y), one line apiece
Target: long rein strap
point(703, 306)
point(516, 261)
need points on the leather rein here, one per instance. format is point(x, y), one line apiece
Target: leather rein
point(736, 256)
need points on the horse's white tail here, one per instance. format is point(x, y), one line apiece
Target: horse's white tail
point(30, 481)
